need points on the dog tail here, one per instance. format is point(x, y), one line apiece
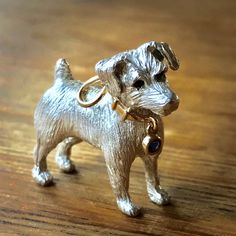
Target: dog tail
point(62, 70)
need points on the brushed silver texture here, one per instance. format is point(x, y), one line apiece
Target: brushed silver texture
point(137, 78)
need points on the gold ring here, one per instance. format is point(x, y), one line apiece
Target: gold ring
point(152, 124)
point(92, 102)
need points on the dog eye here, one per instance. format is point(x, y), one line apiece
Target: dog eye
point(138, 84)
point(160, 77)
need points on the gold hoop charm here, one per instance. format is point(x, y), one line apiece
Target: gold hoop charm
point(91, 81)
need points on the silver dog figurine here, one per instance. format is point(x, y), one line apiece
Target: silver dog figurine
point(123, 120)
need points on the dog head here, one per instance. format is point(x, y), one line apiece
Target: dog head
point(138, 78)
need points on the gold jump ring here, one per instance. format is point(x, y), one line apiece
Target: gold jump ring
point(152, 124)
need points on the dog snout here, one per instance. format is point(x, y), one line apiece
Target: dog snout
point(172, 105)
point(174, 100)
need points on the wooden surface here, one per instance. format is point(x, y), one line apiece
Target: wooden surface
point(198, 164)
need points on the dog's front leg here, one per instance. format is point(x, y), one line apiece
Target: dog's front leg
point(118, 167)
point(155, 192)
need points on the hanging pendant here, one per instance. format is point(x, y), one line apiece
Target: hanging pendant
point(152, 143)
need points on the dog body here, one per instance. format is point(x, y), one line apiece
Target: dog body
point(137, 78)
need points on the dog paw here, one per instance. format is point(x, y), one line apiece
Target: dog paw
point(159, 196)
point(65, 164)
point(43, 178)
point(128, 208)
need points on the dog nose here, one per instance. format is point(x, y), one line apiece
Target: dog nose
point(174, 103)
point(174, 99)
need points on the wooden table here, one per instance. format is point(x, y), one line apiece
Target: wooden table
point(198, 164)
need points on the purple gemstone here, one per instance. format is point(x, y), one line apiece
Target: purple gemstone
point(154, 146)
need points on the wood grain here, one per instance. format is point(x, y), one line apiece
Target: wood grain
point(198, 164)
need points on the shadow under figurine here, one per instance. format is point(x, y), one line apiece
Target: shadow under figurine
point(123, 118)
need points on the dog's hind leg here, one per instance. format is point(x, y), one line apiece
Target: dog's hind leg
point(155, 192)
point(64, 152)
point(40, 172)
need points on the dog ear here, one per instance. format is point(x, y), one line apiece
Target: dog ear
point(110, 72)
point(163, 50)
